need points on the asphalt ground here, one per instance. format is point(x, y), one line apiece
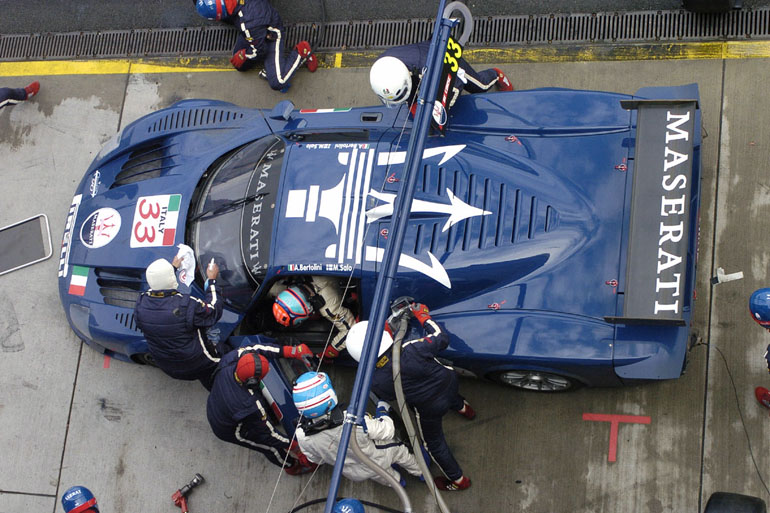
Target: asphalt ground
point(36, 16)
point(69, 416)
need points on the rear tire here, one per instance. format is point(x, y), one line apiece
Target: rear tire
point(536, 381)
point(725, 502)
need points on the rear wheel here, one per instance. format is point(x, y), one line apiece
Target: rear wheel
point(144, 359)
point(537, 381)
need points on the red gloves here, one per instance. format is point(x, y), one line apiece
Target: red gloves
point(420, 312)
point(238, 59)
point(303, 465)
point(330, 352)
point(297, 352)
point(303, 49)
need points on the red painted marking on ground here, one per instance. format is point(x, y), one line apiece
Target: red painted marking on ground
point(106, 361)
point(615, 421)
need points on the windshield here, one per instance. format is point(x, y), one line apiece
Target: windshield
point(231, 220)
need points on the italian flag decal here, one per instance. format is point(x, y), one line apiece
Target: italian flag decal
point(323, 111)
point(173, 216)
point(78, 280)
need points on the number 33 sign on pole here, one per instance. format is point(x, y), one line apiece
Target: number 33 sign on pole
point(452, 55)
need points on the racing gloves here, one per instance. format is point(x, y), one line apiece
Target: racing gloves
point(304, 51)
point(297, 352)
point(420, 312)
point(238, 59)
point(329, 352)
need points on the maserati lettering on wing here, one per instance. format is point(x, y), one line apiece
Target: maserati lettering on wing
point(673, 210)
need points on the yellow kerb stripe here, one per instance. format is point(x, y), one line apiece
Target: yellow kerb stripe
point(510, 55)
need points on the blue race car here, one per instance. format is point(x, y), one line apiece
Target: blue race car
point(553, 231)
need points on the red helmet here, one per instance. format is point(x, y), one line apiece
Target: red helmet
point(250, 369)
point(292, 307)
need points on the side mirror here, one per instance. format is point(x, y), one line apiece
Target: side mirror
point(282, 110)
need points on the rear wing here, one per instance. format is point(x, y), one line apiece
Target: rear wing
point(657, 264)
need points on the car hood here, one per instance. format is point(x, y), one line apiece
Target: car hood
point(130, 226)
point(494, 220)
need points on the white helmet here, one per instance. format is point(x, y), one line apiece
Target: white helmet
point(354, 342)
point(390, 80)
point(161, 275)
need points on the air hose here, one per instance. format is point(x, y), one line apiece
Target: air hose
point(404, 410)
point(381, 472)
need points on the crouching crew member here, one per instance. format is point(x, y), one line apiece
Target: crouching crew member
point(174, 324)
point(394, 77)
point(294, 304)
point(12, 96)
point(429, 387)
point(320, 429)
point(260, 38)
point(237, 412)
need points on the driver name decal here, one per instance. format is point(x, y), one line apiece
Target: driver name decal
point(155, 220)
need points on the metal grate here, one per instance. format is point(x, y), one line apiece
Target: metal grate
point(609, 27)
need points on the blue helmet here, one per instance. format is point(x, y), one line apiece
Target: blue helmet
point(348, 505)
point(314, 395)
point(759, 305)
point(291, 307)
point(78, 499)
point(211, 9)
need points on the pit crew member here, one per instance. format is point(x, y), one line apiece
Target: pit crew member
point(79, 499)
point(174, 324)
point(396, 74)
point(12, 96)
point(320, 428)
point(237, 412)
point(260, 39)
point(429, 387)
point(759, 306)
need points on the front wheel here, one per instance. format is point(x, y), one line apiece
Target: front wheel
point(144, 359)
point(537, 381)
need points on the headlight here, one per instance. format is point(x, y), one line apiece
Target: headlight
point(111, 145)
point(79, 316)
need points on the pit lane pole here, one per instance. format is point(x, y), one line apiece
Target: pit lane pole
point(390, 259)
